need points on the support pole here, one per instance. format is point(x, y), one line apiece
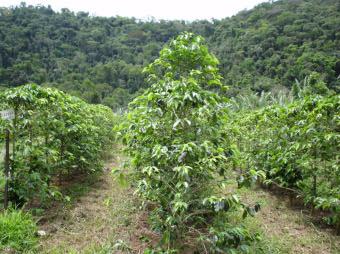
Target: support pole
point(6, 169)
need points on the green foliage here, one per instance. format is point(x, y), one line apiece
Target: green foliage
point(296, 145)
point(312, 85)
point(251, 101)
point(278, 43)
point(91, 57)
point(2, 182)
point(17, 231)
point(54, 135)
point(175, 141)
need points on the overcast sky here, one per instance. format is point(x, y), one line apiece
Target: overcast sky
point(159, 9)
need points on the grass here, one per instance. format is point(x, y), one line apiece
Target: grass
point(17, 231)
point(286, 229)
point(103, 217)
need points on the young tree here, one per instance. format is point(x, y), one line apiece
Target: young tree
point(175, 140)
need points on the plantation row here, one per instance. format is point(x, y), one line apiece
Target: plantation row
point(53, 135)
point(297, 147)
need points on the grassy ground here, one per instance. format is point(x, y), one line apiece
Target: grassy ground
point(104, 218)
point(287, 229)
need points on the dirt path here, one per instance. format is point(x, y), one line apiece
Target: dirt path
point(103, 220)
point(287, 229)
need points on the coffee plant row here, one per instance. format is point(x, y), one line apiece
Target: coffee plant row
point(297, 146)
point(53, 135)
point(174, 136)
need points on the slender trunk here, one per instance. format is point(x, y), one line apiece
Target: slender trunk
point(62, 148)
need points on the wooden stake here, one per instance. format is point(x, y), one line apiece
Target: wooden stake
point(6, 170)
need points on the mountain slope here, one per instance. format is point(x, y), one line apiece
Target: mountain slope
point(280, 42)
point(100, 59)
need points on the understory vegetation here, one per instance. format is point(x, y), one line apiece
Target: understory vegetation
point(17, 231)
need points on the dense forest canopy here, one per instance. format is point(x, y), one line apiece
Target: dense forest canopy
point(101, 59)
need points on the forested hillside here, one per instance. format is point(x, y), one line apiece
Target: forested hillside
point(101, 59)
point(274, 44)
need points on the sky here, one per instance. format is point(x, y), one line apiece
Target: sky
point(145, 9)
